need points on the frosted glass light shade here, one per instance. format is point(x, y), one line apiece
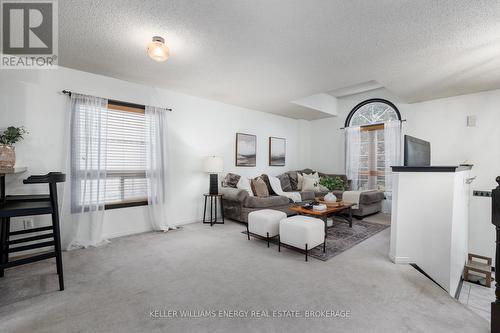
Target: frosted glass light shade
point(157, 50)
point(213, 164)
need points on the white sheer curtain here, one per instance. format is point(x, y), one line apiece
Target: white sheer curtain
point(86, 166)
point(392, 151)
point(156, 166)
point(352, 156)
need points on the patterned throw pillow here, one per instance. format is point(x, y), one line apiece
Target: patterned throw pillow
point(286, 185)
point(259, 188)
point(231, 180)
point(302, 176)
point(293, 180)
point(310, 184)
point(270, 190)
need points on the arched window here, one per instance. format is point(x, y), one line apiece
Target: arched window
point(372, 144)
point(372, 111)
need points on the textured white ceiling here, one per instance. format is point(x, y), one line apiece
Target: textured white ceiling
point(262, 54)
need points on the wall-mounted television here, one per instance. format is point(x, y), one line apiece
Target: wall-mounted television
point(417, 152)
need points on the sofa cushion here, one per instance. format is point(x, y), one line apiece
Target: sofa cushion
point(371, 197)
point(233, 194)
point(286, 185)
point(259, 188)
point(271, 201)
point(231, 180)
point(307, 195)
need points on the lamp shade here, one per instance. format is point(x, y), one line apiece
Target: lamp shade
point(213, 164)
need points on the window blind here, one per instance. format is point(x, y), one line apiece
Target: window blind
point(125, 155)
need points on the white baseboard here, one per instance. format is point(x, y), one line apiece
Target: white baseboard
point(143, 230)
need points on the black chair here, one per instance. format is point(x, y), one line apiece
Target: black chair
point(27, 205)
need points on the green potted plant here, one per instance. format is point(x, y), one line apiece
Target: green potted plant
point(332, 183)
point(8, 138)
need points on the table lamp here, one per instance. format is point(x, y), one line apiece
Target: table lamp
point(213, 165)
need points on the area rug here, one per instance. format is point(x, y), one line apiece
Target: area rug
point(340, 238)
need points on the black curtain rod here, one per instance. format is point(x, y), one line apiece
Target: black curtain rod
point(402, 120)
point(117, 102)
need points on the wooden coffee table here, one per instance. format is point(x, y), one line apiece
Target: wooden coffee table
point(328, 212)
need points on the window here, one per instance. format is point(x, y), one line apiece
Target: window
point(372, 111)
point(371, 116)
point(125, 155)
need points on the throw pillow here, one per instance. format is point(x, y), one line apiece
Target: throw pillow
point(244, 184)
point(275, 184)
point(293, 179)
point(259, 188)
point(265, 178)
point(231, 180)
point(310, 184)
point(300, 178)
point(312, 175)
point(300, 181)
point(286, 185)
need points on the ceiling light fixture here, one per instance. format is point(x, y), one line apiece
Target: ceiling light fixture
point(157, 49)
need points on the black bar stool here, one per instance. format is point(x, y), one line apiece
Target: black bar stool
point(27, 205)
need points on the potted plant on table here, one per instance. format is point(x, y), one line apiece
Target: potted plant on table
point(332, 184)
point(8, 138)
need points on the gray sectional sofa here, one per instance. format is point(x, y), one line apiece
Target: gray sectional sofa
point(238, 203)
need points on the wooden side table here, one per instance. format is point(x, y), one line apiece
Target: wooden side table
point(213, 208)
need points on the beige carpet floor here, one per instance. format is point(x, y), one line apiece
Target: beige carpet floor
point(202, 268)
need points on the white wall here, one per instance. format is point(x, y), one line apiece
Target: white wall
point(443, 123)
point(197, 128)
